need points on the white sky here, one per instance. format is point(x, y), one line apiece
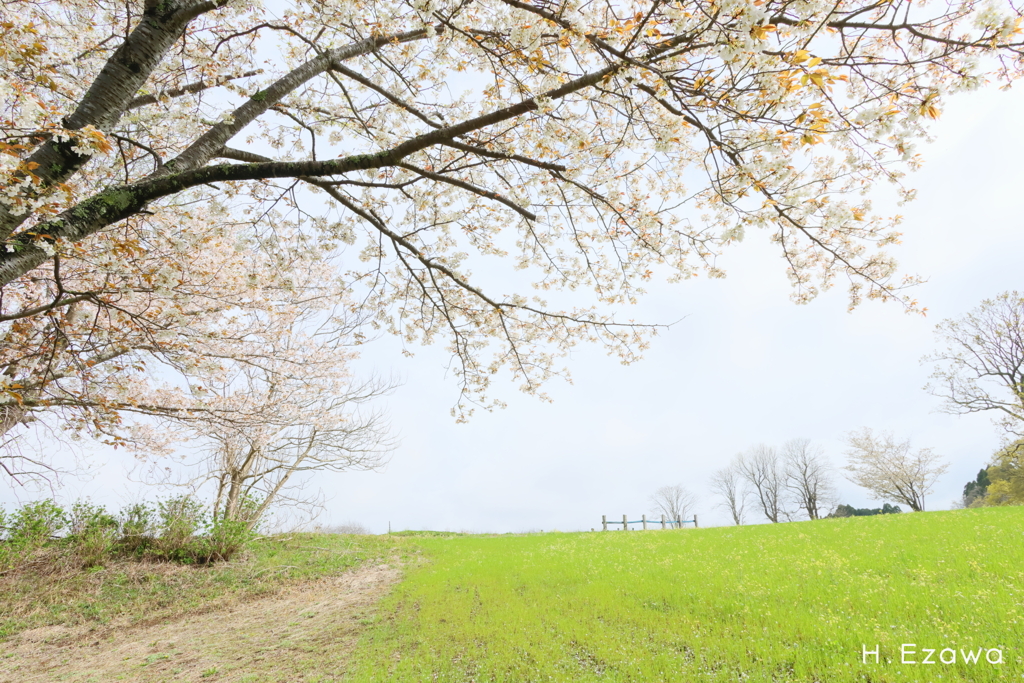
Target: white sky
point(745, 366)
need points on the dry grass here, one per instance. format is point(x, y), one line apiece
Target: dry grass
point(304, 633)
point(289, 610)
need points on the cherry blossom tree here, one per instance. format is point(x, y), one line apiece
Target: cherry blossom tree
point(890, 470)
point(268, 422)
point(159, 156)
point(147, 341)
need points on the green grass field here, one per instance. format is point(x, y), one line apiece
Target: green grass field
point(787, 602)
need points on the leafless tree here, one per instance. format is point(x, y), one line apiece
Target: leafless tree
point(982, 366)
point(890, 470)
point(675, 502)
point(808, 477)
point(764, 472)
point(727, 483)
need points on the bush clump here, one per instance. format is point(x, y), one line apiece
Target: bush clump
point(178, 529)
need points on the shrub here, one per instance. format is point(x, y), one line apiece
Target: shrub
point(137, 529)
point(93, 533)
point(177, 529)
point(36, 523)
point(226, 537)
point(179, 520)
point(28, 529)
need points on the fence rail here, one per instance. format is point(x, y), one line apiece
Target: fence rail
point(626, 522)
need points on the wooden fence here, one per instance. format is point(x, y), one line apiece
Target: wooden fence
point(626, 522)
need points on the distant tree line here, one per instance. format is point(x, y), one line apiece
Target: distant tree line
point(850, 511)
point(797, 481)
point(976, 491)
point(979, 369)
point(1001, 483)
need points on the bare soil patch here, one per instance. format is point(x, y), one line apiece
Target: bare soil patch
point(305, 633)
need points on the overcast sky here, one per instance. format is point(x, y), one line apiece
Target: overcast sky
point(744, 366)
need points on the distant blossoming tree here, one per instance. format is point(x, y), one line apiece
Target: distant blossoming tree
point(890, 470)
point(167, 165)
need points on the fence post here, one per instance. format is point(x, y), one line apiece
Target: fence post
point(663, 522)
point(604, 523)
point(625, 523)
point(645, 522)
point(695, 525)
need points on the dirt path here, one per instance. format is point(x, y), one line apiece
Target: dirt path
point(301, 634)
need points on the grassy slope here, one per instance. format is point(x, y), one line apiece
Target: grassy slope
point(788, 602)
point(133, 592)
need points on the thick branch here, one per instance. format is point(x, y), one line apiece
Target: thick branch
point(213, 140)
point(122, 76)
point(24, 252)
